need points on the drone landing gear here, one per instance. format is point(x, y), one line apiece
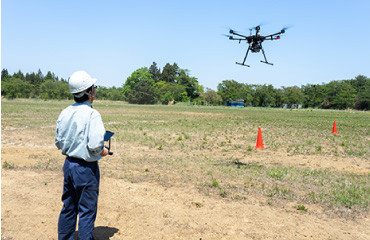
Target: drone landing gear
point(243, 64)
point(265, 58)
point(267, 63)
point(245, 59)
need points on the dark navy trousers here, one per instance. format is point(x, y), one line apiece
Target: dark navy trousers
point(80, 197)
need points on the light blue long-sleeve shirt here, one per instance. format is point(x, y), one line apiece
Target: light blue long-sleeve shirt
point(80, 132)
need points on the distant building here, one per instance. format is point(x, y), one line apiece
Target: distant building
point(292, 106)
point(238, 103)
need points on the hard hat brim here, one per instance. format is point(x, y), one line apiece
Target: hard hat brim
point(93, 81)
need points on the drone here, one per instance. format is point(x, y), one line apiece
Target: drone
point(254, 41)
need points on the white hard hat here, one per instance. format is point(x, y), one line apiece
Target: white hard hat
point(80, 81)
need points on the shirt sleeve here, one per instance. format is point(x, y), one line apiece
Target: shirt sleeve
point(58, 137)
point(96, 134)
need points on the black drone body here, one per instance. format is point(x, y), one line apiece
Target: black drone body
point(255, 42)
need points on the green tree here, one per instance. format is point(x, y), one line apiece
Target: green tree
point(51, 89)
point(232, 90)
point(16, 88)
point(51, 76)
point(362, 100)
point(279, 97)
point(211, 97)
point(360, 82)
point(170, 73)
point(190, 83)
point(167, 92)
point(141, 74)
point(263, 96)
point(113, 93)
point(155, 71)
point(18, 75)
point(36, 79)
point(339, 95)
point(102, 93)
point(39, 79)
point(362, 86)
point(314, 95)
point(4, 75)
point(142, 93)
point(293, 95)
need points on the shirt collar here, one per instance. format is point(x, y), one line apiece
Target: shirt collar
point(83, 103)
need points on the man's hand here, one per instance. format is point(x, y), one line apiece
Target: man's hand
point(105, 152)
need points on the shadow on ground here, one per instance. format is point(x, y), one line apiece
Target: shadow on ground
point(102, 233)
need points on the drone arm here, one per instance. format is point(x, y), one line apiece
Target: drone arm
point(239, 39)
point(237, 34)
point(271, 37)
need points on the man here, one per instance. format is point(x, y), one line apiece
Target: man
point(80, 136)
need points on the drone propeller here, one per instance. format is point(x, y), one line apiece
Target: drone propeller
point(229, 36)
point(231, 31)
point(285, 28)
point(257, 28)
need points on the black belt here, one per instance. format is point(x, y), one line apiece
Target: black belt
point(74, 158)
point(80, 161)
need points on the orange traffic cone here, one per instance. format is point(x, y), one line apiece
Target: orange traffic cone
point(259, 140)
point(334, 128)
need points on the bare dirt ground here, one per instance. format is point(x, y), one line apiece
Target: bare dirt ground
point(144, 210)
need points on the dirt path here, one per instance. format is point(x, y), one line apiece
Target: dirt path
point(31, 205)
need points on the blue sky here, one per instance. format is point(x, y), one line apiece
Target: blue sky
point(328, 40)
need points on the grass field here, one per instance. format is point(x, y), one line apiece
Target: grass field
point(211, 149)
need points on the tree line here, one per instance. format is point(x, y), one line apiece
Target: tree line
point(151, 85)
point(343, 94)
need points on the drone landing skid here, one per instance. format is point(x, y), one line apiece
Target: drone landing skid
point(243, 64)
point(267, 63)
